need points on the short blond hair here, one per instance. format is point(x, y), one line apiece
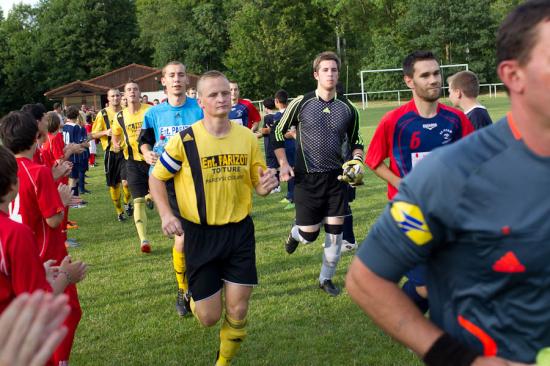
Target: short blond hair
point(212, 74)
point(170, 64)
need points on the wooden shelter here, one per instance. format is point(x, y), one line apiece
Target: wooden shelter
point(93, 92)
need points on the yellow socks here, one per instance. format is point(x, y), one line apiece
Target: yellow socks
point(140, 218)
point(178, 259)
point(115, 197)
point(126, 192)
point(232, 334)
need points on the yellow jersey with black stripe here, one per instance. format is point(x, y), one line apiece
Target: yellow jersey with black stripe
point(213, 176)
point(100, 125)
point(130, 130)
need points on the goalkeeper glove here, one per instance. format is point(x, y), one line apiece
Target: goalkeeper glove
point(353, 172)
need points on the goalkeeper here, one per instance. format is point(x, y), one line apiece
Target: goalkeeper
point(324, 120)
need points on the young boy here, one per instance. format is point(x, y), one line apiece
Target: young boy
point(463, 92)
point(40, 205)
point(72, 134)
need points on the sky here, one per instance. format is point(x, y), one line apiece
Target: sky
point(8, 4)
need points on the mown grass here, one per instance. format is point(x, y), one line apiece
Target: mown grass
point(128, 298)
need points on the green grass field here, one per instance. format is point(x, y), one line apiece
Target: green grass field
point(128, 298)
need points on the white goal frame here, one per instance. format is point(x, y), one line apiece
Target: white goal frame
point(364, 95)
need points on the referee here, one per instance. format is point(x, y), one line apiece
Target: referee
point(324, 120)
point(215, 164)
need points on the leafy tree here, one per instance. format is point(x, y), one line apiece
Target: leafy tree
point(273, 44)
point(22, 67)
point(86, 38)
point(193, 32)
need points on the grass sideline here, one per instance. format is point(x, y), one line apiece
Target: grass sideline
point(128, 298)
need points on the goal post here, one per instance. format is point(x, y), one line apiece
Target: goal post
point(364, 93)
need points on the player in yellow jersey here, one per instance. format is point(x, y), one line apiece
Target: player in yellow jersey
point(127, 126)
point(215, 164)
point(115, 164)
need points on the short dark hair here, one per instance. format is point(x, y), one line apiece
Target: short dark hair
point(412, 58)
point(326, 56)
point(269, 103)
point(18, 131)
point(8, 167)
point(56, 105)
point(465, 81)
point(72, 112)
point(282, 96)
point(53, 121)
point(517, 34)
point(37, 110)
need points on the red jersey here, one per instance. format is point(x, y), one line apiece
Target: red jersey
point(37, 157)
point(20, 267)
point(253, 114)
point(37, 200)
point(52, 149)
point(405, 137)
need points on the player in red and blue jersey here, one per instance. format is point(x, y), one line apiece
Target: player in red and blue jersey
point(243, 111)
point(407, 134)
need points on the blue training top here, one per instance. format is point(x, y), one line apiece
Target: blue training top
point(165, 119)
point(477, 213)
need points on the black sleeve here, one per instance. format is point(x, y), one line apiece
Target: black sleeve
point(146, 137)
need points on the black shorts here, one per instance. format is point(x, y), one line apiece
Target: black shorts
point(214, 254)
point(172, 200)
point(113, 165)
point(319, 195)
point(123, 169)
point(138, 177)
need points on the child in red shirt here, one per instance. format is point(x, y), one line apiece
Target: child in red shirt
point(40, 205)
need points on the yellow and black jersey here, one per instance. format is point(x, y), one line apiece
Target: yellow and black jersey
point(129, 125)
point(213, 176)
point(103, 121)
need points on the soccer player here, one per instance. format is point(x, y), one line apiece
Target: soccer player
point(168, 119)
point(191, 92)
point(215, 164)
point(40, 205)
point(73, 134)
point(463, 93)
point(127, 126)
point(281, 102)
point(477, 213)
point(407, 134)
point(115, 164)
point(270, 158)
point(242, 111)
point(323, 119)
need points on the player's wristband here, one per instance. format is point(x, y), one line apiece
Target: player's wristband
point(447, 351)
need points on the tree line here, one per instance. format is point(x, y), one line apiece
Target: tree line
point(263, 44)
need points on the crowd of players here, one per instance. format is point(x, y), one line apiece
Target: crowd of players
point(467, 226)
